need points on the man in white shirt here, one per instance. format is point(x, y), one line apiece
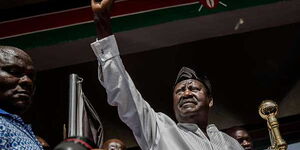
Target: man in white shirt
point(192, 99)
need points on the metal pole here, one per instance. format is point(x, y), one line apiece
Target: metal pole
point(72, 105)
point(79, 107)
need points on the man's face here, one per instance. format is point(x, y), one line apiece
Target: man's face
point(114, 144)
point(16, 80)
point(44, 144)
point(244, 139)
point(189, 99)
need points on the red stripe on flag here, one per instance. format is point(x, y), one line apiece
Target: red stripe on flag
point(80, 15)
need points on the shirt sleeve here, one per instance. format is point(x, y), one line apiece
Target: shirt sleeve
point(231, 142)
point(121, 92)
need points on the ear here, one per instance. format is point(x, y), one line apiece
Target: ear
point(211, 102)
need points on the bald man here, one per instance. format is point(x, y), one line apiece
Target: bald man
point(17, 85)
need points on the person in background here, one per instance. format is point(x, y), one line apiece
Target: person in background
point(44, 144)
point(242, 136)
point(17, 84)
point(114, 144)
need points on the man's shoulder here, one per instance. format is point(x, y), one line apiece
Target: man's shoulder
point(231, 141)
point(162, 118)
point(14, 136)
point(5, 127)
point(4, 119)
point(10, 124)
point(227, 136)
point(8, 118)
point(6, 123)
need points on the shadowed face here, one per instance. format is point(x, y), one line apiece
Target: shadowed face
point(44, 144)
point(190, 99)
point(114, 144)
point(16, 80)
point(244, 139)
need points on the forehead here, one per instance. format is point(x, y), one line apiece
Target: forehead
point(115, 143)
point(241, 133)
point(14, 57)
point(188, 82)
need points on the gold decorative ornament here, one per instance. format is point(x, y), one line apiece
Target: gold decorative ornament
point(268, 110)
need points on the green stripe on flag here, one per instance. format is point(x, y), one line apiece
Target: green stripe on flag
point(124, 23)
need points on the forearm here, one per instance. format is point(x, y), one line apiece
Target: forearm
point(103, 27)
point(102, 17)
point(120, 88)
point(121, 91)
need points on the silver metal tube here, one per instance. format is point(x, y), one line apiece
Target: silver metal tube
point(72, 105)
point(79, 108)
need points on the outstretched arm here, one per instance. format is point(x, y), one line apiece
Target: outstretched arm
point(121, 91)
point(102, 17)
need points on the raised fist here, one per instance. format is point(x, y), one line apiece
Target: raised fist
point(101, 6)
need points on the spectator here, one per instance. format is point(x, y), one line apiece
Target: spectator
point(242, 136)
point(17, 85)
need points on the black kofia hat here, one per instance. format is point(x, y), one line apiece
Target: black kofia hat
point(186, 73)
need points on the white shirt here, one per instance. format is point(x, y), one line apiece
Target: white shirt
point(152, 130)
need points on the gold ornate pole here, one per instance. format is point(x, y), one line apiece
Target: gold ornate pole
point(268, 110)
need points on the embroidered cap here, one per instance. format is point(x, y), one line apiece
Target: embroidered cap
point(186, 73)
